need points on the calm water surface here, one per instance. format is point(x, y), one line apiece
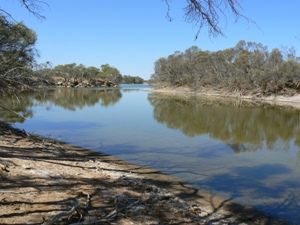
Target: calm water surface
point(245, 152)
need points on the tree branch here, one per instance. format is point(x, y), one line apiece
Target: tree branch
point(34, 7)
point(207, 13)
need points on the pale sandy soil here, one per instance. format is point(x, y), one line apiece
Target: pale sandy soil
point(46, 182)
point(287, 100)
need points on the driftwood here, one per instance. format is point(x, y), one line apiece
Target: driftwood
point(69, 212)
point(122, 202)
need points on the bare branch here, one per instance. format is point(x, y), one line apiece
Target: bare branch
point(207, 13)
point(168, 11)
point(2, 11)
point(34, 7)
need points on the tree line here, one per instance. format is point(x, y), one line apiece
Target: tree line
point(74, 71)
point(19, 69)
point(248, 67)
point(18, 53)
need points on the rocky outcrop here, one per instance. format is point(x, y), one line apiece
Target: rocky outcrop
point(78, 82)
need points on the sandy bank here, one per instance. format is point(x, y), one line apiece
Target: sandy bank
point(47, 182)
point(280, 100)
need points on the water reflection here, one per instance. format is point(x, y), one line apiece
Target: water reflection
point(246, 127)
point(14, 108)
point(70, 98)
point(265, 175)
point(133, 131)
point(17, 108)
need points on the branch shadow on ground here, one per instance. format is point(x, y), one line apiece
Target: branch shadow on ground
point(36, 197)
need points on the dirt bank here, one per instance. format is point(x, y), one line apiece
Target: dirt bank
point(48, 182)
point(288, 100)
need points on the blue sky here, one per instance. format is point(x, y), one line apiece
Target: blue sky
point(131, 35)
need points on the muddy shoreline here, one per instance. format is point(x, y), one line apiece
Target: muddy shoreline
point(42, 179)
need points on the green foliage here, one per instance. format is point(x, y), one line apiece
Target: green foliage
point(92, 72)
point(127, 79)
point(17, 45)
point(247, 67)
point(74, 71)
point(17, 53)
point(111, 73)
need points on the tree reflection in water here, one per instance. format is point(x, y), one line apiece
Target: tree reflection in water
point(245, 126)
point(15, 108)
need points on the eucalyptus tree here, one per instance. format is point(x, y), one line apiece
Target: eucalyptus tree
point(174, 69)
point(67, 71)
point(158, 77)
point(92, 72)
point(190, 65)
point(17, 53)
point(246, 67)
point(249, 61)
point(290, 72)
point(110, 73)
point(202, 70)
point(222, 66)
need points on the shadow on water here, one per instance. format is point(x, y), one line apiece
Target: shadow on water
point(247, 185)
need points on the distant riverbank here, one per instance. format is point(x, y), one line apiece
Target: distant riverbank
point(289, 100)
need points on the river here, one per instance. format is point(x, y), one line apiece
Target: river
point(238, 150)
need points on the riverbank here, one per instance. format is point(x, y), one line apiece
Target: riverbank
point(44, 181)
point(285, 100)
